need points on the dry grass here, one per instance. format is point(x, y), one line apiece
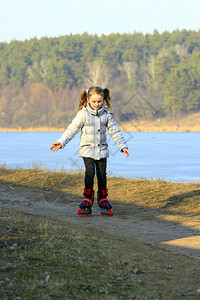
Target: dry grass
point(33, 129)
point(181, 124)
point(171, 196)
point(42, 258)
point(177, 202)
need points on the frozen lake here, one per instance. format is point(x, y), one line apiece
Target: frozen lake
point(169, 156)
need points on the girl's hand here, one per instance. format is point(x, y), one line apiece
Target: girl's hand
point(125, 150)
point(55, 146)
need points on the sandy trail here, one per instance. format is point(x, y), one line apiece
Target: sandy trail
point(184, 240)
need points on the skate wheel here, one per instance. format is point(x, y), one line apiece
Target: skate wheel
point(108, 212)
point(81, 212)
point(111, 212)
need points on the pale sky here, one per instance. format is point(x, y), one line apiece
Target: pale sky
point(25, 19)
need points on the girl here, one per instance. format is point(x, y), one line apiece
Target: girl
point(93, 118)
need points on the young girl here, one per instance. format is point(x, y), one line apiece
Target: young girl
point(93, 119)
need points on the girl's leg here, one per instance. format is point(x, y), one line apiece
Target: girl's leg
point(86, 204)
point(89, 172)
point(104, 204)
point(101, 173)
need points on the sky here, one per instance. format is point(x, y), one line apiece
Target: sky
point(26, 19)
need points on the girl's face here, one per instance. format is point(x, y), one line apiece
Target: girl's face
point(95, 101)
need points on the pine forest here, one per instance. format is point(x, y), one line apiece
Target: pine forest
point(41, 79)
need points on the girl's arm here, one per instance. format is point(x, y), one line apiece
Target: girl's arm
point(126, 151)
point(56, 146)
point(70, 132)
point(116, 135)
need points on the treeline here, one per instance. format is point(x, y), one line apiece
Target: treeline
point(41, 80)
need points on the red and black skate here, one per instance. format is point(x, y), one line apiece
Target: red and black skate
point(104, 204)
point(86, 205)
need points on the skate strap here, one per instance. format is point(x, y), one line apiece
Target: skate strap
point(103, 199)
point(103, 192)
point(88, 199)
point(88, 192)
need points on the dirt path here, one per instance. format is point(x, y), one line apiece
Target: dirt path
point(127, 222)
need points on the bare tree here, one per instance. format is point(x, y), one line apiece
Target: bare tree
point(129, 68)
point(97, 74)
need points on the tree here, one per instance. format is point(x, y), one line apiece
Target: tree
point(96, 74)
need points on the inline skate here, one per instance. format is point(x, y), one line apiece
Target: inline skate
point(85, 207)
point(104, 204)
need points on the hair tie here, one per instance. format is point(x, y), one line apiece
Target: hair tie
point(87, 91)
point(103, 90)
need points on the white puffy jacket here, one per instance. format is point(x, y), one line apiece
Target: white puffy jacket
point(93, 125)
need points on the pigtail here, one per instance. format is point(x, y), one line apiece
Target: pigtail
point(83, 101)
point(106, 97)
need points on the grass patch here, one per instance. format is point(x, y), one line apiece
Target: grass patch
point(43, 258)
point(173, 197)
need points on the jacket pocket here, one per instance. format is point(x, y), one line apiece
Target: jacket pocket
point(104, 146)
point(86, 145)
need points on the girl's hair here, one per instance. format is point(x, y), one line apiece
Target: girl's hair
point(105, 93)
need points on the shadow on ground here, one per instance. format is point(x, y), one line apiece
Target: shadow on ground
point(129, 220)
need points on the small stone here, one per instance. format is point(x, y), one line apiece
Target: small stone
point(47, 278)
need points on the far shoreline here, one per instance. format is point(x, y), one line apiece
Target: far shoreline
point(123, 128)
point(187, 123)
point(129, 129)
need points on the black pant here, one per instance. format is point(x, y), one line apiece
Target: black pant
point(100, 166)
